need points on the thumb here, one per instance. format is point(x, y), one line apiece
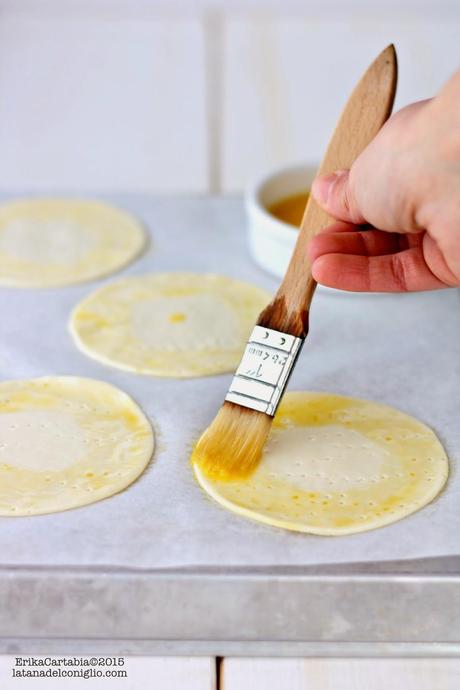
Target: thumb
point(334, 194)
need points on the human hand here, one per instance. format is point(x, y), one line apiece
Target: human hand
point(406, 187)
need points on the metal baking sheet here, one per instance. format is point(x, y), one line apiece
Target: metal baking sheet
point(355, 610)
point(403, 350)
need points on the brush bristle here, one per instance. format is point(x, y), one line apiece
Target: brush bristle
point(232, 446)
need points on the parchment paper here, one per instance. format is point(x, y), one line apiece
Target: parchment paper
point(403, 350)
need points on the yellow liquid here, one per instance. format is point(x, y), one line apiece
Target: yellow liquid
point(290, 209)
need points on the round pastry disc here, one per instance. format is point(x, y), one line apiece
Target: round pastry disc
point(66, 442)
point(55, 242)
point(337, 465)
point(170, 324)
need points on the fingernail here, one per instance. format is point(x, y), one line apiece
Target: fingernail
point(322, 186)
point(313, 269)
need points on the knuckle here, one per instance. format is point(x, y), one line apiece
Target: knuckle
point(399, 272)
point(350, 204)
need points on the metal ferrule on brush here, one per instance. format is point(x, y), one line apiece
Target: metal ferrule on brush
point(264, 370)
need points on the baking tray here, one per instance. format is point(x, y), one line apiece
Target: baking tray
point(160, 563)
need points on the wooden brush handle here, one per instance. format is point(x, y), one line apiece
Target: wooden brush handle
point(368, 107)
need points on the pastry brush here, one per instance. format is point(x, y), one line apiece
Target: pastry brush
point(232, 445)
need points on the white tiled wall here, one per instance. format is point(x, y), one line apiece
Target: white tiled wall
point(102, 102)
point(298, 73)
point(194, 96)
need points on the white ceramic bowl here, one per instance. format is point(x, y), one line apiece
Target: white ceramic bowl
point(271, 240)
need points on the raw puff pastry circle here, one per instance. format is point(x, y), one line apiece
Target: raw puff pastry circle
point(337, 465)
point(66, 442)
point(56, 242)
point(169, 324)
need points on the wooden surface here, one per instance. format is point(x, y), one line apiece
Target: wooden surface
point(340, 674)
point(142, 673)
point(200, 673)
point(368, 107)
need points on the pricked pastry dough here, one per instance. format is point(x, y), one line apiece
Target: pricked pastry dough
point(170, 324)
point(67, 441)
point(337, 465)
point(53, 242)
